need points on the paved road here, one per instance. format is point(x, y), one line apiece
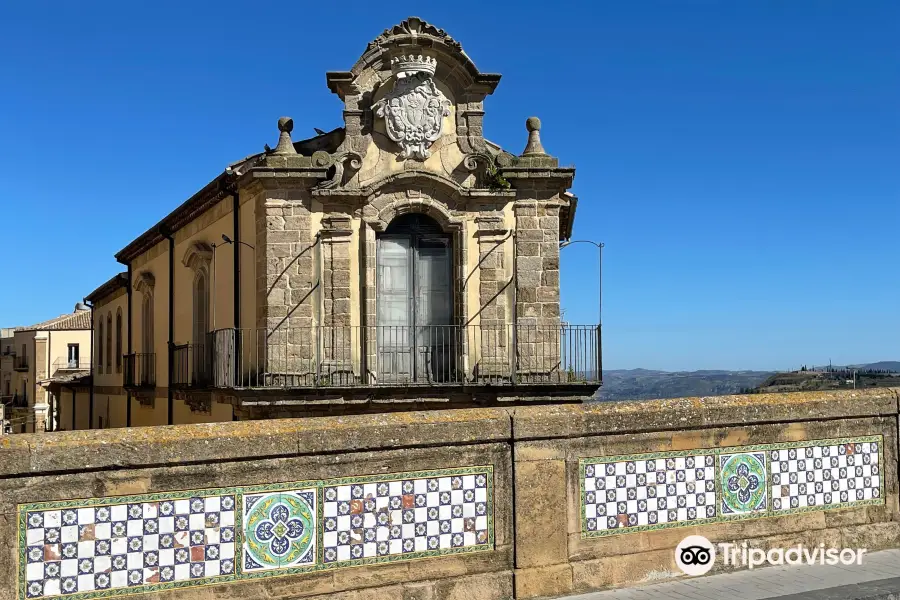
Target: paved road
point(878, 577)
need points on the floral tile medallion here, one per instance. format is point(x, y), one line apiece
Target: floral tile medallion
point(743, 478)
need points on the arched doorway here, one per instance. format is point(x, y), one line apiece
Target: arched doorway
point(414, 301)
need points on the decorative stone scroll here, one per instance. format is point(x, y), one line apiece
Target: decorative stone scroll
point(414, 110)
point(642, 492)
point(106, 547)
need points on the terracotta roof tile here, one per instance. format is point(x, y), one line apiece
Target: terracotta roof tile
point(80, 319)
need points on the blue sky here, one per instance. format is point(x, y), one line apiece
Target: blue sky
point(739, 159)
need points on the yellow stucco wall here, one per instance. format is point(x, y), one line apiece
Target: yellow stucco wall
point(207, 229)
point(107, 309)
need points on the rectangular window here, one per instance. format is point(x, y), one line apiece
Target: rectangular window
point(72, 356)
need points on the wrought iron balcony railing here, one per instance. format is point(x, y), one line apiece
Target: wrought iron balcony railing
point(191, 366)
point(448, 355)
point(69, 364)
point(140, 370)
point(14, 401)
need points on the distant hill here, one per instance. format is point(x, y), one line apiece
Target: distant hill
point(885, 365)
point(645, 384)
point(879, 374)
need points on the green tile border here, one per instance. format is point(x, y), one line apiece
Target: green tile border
point(238, 491)
point(716, 452)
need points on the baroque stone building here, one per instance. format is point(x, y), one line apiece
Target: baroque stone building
point(400, 260)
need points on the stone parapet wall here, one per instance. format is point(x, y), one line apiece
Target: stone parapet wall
point(472, 503)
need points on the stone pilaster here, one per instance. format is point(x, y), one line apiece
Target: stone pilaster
point(537, 289)
point(285, 338)
point(338, 338)
point(493, 334)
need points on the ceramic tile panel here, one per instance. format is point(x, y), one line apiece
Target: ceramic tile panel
point(85, 549)
point(367, 520)
point(626, 494)
point(105, 547)
point(826, 475)
point(634, 493)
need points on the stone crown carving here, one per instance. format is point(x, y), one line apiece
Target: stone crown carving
point(403, 64)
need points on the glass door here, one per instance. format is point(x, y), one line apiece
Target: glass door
point(414, 303)
point(394, 309)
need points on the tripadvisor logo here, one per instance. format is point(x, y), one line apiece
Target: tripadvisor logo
point(695, 555)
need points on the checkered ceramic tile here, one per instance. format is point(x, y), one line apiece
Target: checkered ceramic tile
point(648, 492)
point(625, 494)
point(89, 550)
point(379, 519)
point(825, 474)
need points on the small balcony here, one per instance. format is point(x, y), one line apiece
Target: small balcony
point(191, 366)
point(20, 363)
point(14, 401)
point(140, 370)
point(401, 356)
point(62, 365)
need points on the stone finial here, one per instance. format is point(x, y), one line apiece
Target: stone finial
point(285, 145)
point(533, 147)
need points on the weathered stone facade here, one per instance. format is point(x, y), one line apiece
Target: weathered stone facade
point(401, 257)
point(322, 205)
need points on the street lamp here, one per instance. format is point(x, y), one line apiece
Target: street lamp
point(599, 246)
point(228, 240)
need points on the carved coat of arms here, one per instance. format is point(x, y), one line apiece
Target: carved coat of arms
point(414, 113)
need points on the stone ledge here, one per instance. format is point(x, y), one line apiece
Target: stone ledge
point(91, 450)
point(568, 421)
point(26, 454)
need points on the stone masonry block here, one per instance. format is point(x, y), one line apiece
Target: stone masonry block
point(527, 279)
point(544, 582)
point(528, 263)
point(548, 294)
point(540, 528)
point(274, 237)
point(530, 235)
point(551, 223)
point(523, 222)
point(528, 249)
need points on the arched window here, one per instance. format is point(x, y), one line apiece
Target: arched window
point(201, 307)
point(147, 323)
point(109, 345)
point(144, 283)
point(119, 340)
point(99, 360)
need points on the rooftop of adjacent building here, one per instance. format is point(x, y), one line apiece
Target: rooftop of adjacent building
point(79, 319)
